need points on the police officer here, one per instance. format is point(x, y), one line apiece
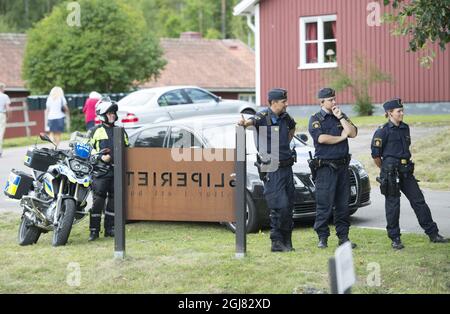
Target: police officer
point(330, 128)
point(390, 151)
point(103, 186)
point(274, 150)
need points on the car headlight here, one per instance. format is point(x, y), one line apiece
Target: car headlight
point(360, 168)
point(297, 182)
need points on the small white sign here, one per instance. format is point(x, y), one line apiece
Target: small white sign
point(345, 271)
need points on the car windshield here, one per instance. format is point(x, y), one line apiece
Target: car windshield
point(136, 99)
point(224, 137)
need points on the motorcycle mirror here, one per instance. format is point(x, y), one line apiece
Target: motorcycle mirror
point(43, 136)
point(105, 151)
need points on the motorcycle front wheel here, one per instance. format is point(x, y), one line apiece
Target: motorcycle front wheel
point(66, 217)
point(28, 233)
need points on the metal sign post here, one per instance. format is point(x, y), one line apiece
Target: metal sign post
point(119, 191)
point(240, 199)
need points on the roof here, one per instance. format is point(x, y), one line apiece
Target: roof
point(12, 48)
point(218, 65)
point(244, 7)
point(208, 63)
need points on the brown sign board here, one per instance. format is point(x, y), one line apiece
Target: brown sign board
point(162, 186)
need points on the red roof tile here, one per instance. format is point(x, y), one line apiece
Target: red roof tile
point(211, 64)
point(12, 48)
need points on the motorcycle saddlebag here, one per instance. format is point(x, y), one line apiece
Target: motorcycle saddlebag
point(19, 183)
point(39, 159)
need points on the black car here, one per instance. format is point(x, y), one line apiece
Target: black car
point(218, 131)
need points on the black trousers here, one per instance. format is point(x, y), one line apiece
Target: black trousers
point(409, 186)
point(332, 189)
point(279, 194)
point(103, 193)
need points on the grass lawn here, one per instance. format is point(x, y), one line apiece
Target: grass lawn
point(26, 141)
point(432, 162)
point(199, 258)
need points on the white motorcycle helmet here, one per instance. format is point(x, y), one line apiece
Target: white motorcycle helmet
point(103, 106)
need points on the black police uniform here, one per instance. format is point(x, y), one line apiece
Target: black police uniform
point(332, 176)
point(391, 143)
point(103, 186)
point(279, 185)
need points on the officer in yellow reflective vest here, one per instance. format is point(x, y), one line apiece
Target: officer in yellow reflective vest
point(103, 186)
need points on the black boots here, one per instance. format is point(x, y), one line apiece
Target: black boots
point(397, 244)
point(437, 238)
point(278, 246)
point(109, 233)
point(343, 240)
point(323, 243)
point(93, 235)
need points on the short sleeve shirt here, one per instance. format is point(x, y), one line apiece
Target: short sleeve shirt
point(327, 123)
point(279, 126)
point(4, 101)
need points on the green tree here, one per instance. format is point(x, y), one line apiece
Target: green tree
point(110, 51)
point(425, 21)
point(359, 79)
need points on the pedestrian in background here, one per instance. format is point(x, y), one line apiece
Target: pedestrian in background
point(4, 109)
point(89, 109)
point(56, 112)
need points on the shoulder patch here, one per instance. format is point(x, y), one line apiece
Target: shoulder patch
point(377, 142)
point(316, 124)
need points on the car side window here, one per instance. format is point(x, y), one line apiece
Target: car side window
point(153, 137)
point(173, 98)
point(199, 96)
point(181, 138)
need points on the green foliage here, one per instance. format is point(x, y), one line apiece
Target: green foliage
point(359, 79)
point(424, 21)
point(110, 51)
point(77, 120)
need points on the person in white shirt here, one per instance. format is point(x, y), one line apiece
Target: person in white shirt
point(56, 111)
point(4, 109)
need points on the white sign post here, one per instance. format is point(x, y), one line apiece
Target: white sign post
point(342, 271)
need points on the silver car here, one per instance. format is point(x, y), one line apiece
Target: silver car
point(173, 102)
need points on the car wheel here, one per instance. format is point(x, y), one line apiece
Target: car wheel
point(248, 111)
point(253, 223)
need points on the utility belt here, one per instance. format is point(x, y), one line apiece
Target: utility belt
point(263, 164)
point(317, 163)
point(392, 173)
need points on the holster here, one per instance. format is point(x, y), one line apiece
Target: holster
point(406, 170)
point(259, 163)
point(313, 165)
point(389, 181)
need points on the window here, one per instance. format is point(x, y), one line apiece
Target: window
point(181, 138)
point(318, 42)
point(139, 98)
point(248, 97)
point(151, 137)
point(173, 98)
point(198, 96)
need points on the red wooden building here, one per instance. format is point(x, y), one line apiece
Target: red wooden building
point(296, 41)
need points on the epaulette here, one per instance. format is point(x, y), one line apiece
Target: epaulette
point(319, 116)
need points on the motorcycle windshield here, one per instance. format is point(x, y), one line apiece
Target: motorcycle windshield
point(82, 150)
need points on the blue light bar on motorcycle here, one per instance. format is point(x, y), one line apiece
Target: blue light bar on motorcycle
point(82, 150)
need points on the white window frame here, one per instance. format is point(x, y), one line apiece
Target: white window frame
point(320, 20)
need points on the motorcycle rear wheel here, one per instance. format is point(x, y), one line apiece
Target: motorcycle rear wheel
point(28, 233)
point(67, 215)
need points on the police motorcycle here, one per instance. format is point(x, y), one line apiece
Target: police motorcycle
point(55, 196)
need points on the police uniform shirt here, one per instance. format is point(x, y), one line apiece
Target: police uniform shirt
point(391, 141)
point(103, 137)
point(327, 123)
point(276, 126)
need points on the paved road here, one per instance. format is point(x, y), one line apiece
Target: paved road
point(372, 216)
